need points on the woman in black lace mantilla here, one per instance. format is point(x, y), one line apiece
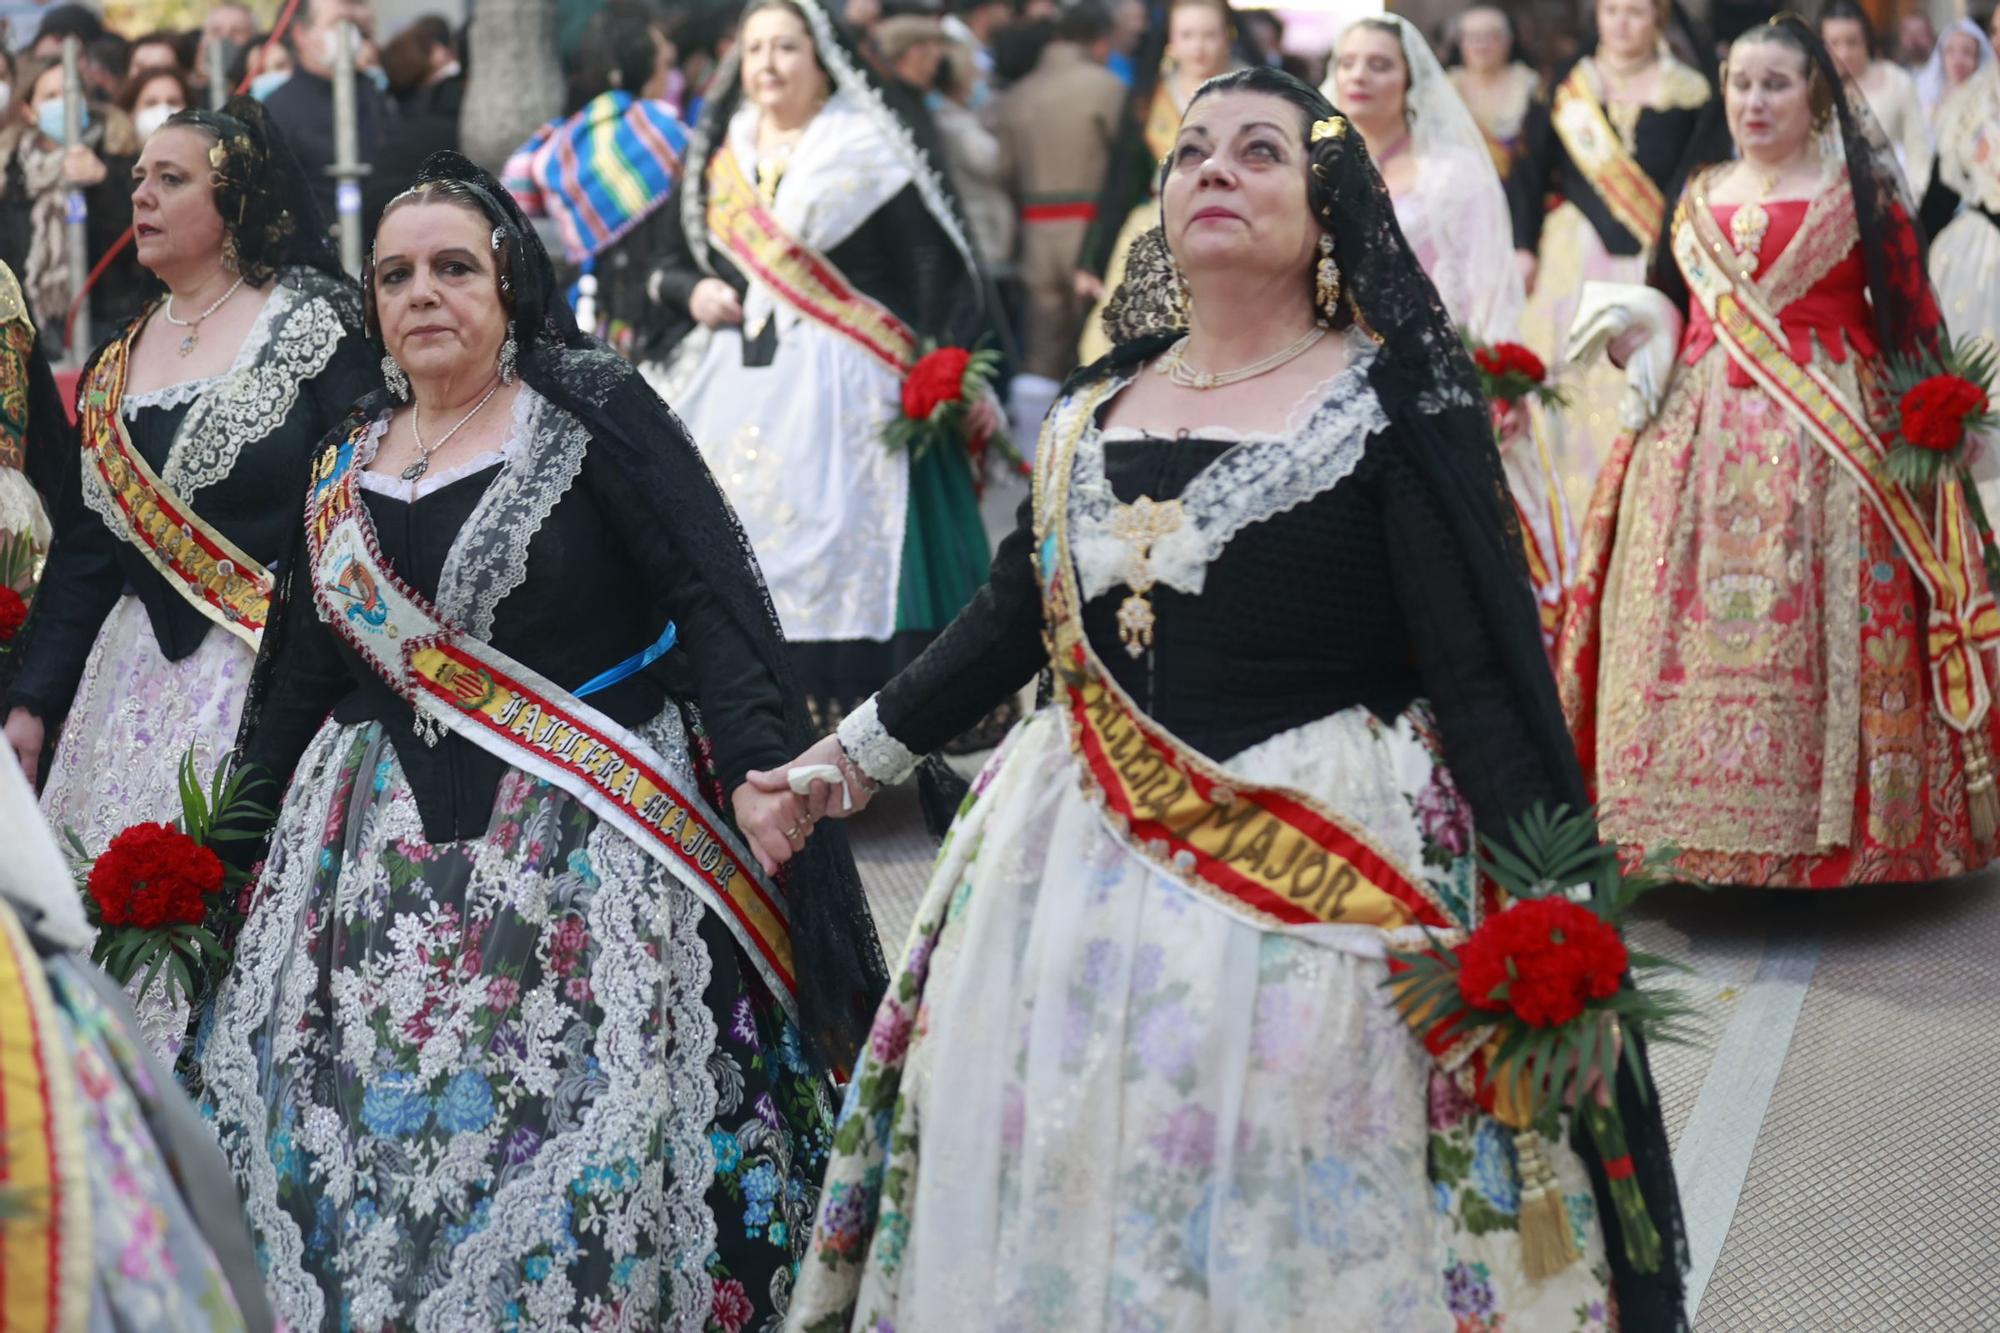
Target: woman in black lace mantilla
point(221, 389)
point(1147, 1075)
point(492, 1052)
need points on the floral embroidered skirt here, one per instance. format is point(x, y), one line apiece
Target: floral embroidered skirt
point(135, 717)
point(1759, 697)
point(517, 1081)
point(1094, 1101)
point(150, 1263)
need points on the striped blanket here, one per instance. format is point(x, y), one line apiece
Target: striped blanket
point(600, 172)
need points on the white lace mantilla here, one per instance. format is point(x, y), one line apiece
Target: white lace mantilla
point(488, 559)
point(1260, 476)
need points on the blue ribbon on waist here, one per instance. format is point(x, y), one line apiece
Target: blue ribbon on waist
point(632, 665)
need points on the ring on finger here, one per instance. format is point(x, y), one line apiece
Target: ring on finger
point(792, 832)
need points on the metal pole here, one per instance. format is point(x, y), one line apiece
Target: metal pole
point(75, 213)
point(219, 53)
point(346, 169)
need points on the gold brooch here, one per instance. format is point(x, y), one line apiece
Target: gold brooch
point(1333, 127)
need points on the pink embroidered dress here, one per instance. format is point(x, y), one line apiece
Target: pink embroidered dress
point(1743, 666)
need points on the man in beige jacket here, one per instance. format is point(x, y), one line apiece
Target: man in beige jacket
point(1056, 129)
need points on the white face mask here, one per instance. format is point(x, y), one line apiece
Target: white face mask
point(147, 119)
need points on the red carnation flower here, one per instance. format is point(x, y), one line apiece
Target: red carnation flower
point(1490, 361)
point(13, 611)
point(1552, 955)
point(1934, 411)
point(154, 875)
point(1523, 362)
point(938, 378)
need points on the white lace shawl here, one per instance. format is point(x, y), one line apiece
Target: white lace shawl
point(841, 171)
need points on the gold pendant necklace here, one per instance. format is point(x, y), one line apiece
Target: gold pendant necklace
point(1752, 220)
point(1174, 364)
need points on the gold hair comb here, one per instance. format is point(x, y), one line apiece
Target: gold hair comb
point(1333, 127)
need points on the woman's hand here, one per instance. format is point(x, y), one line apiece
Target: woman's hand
point(1526, 263)
point(822, 798)
point(714, 303)
point(774, 823)
point(1089, 287)
point(82, 167)
point(25, 735)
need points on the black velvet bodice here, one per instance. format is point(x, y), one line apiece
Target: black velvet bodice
point(601, 582)
point(1356, 596)
point(899, 256)
point(1546, 174)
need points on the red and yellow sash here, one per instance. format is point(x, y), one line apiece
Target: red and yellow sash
point(1630, 194)
point(45, 1258)
point(1939, 539)
point(1272, 855)
point(455, 682)
point(210, 571)
point(805, 280)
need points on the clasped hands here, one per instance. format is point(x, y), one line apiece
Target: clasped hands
point(776, 820)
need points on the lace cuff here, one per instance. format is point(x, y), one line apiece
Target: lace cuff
point(872, 749)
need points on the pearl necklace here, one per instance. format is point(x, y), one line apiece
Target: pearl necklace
point(193, 326)
point(423, 463)
point(1174, 365)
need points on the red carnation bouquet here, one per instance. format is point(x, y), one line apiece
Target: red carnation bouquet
point(161, 899)
point(1509, 373)
point(938, 395)
point(1939, 405)
point(17, 585)
point(1549, 999)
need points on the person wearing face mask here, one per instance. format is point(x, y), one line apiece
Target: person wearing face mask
point(1772, 660)
point(302, 106)
point(1126, 1078)
point(40, 174)
point(150, 96)
point(816, 246)
point(1487, 69)
point(1200, 41)
point(206, 404)
point(604, 173)
point(267, 65)
point(1603, 143)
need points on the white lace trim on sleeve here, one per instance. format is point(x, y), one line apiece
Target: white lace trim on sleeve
point(874, 751)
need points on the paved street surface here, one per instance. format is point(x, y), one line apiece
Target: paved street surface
point(1836, 1125)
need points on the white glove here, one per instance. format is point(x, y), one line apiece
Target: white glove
point(1606, 312)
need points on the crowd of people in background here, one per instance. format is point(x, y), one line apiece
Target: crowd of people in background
point(1038, 108)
